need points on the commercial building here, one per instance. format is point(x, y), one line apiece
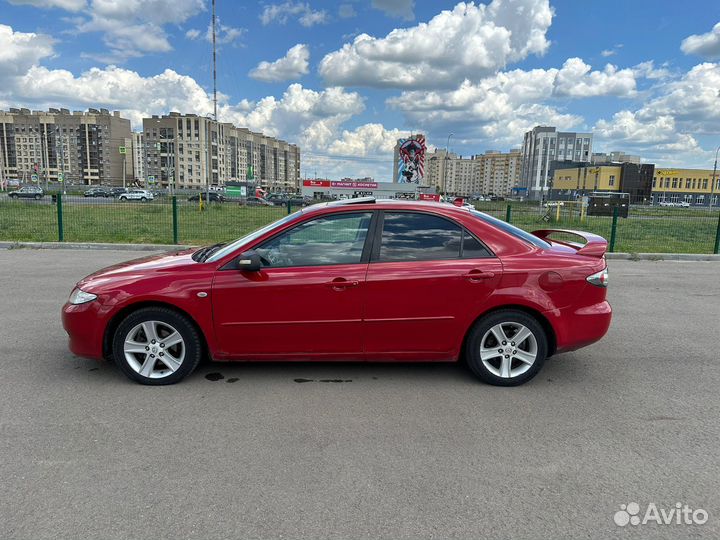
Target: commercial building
point(190, 151)
point(491, 173)
point(544, 145)
point(349, 189)
point(644, 183)
point(91, 147)
point(694, 186)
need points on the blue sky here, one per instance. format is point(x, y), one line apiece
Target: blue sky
point(345, 79)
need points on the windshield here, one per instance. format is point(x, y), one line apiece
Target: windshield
point(220, 253)
point(511, 229)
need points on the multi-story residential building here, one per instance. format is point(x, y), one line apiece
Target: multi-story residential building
point(614, 157)
point(138, 157)
point(190, 151)
point(544, 145)
point(491, 173)
point(76, 147)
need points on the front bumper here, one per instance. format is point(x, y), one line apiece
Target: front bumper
point(84, 328)
point(578, 327)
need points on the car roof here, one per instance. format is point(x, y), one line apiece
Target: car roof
point(371, 203)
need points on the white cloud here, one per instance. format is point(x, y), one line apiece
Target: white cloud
point(403, 9)
point(469, 42)
point(19, 51)
point(366, 140)
point(193, 33)
point(647, 70)
point(607, 52)
point(281, 13)
point(130, 28)
point(576, 79)
point(665, 127)
point(291, 66)
point(68, 5)
point(223, 34)
point(706, 45)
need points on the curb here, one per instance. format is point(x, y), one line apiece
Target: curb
point(92, 245)
point(662, 257)
point(175, 247)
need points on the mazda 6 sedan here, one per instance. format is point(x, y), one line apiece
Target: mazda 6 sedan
point(356, 280)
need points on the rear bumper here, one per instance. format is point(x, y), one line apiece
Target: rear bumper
point(577, 327)
point(84, 328)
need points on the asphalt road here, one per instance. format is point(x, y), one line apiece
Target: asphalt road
point(393, 451)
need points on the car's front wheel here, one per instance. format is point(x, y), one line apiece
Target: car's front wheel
point(506, 348)
point(156, 346)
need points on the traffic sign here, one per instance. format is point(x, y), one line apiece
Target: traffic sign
point(61, 177)
point(122, 150)
point(34, 177)
point(151, 179)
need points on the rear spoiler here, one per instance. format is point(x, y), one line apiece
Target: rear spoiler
point(595, 246)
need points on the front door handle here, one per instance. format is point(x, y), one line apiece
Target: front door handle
point(475, 276)
point(340, 284)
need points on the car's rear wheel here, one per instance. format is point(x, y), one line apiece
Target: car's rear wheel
point(506, 348)
point(156, 346)
point(37, 197)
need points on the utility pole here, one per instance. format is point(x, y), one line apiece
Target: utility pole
point(712, 186)
point(215, 116)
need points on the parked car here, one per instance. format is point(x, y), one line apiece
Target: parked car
point(117, 191)
point(27, 192)
point(214, 197)
point(354, 280)
point(683, 204)
point(254, 201)
point(136, 195)
point(97, 192)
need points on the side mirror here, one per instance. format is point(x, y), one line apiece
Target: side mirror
point(249, 262)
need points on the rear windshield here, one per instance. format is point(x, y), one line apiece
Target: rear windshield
point(511, 229)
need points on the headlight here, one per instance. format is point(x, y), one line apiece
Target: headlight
point(81, 297)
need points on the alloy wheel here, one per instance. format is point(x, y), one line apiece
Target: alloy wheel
point(508, 349)
point(154, 349)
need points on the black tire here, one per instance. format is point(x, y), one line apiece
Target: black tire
point(143, 199)
point(483, 326)
point(38, 197)
point(13, 196)
point(191, 338)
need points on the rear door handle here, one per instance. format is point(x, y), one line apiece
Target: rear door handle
point(339, 284)
point(478, 275)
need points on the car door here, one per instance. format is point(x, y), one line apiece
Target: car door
point(306, 302)
point(427, 280)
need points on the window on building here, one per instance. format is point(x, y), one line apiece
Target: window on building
point(705, 183)
point(611, 182)
point(654, 182)
point(667, 182)
point(687, 183)
point(674, 182)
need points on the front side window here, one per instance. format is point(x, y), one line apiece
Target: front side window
point(326, 240)
point(418, 237)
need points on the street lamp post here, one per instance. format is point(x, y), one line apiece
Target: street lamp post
point(712, 185)
point(447, 157)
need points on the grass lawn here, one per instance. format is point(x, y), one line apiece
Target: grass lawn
point(655, 230)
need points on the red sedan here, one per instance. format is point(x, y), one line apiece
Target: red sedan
point(351, 280)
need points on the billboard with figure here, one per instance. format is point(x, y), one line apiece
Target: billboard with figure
point(410, 160)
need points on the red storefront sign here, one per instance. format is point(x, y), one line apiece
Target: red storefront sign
point(340, 184)
point(429, 197)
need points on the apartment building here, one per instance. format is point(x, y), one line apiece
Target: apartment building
point(138, 157)
point(491, 173)
point(79, 147)
point(544, 145)
point(615, 156)
point(190, 151)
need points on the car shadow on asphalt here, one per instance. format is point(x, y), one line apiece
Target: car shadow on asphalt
point(564, 369)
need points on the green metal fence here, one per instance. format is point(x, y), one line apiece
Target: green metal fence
point(175, 220)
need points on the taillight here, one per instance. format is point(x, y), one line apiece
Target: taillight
point(599, 279)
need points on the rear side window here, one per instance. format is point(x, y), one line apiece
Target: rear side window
point(472, 248)
point(511, 229)
point(410, 236)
